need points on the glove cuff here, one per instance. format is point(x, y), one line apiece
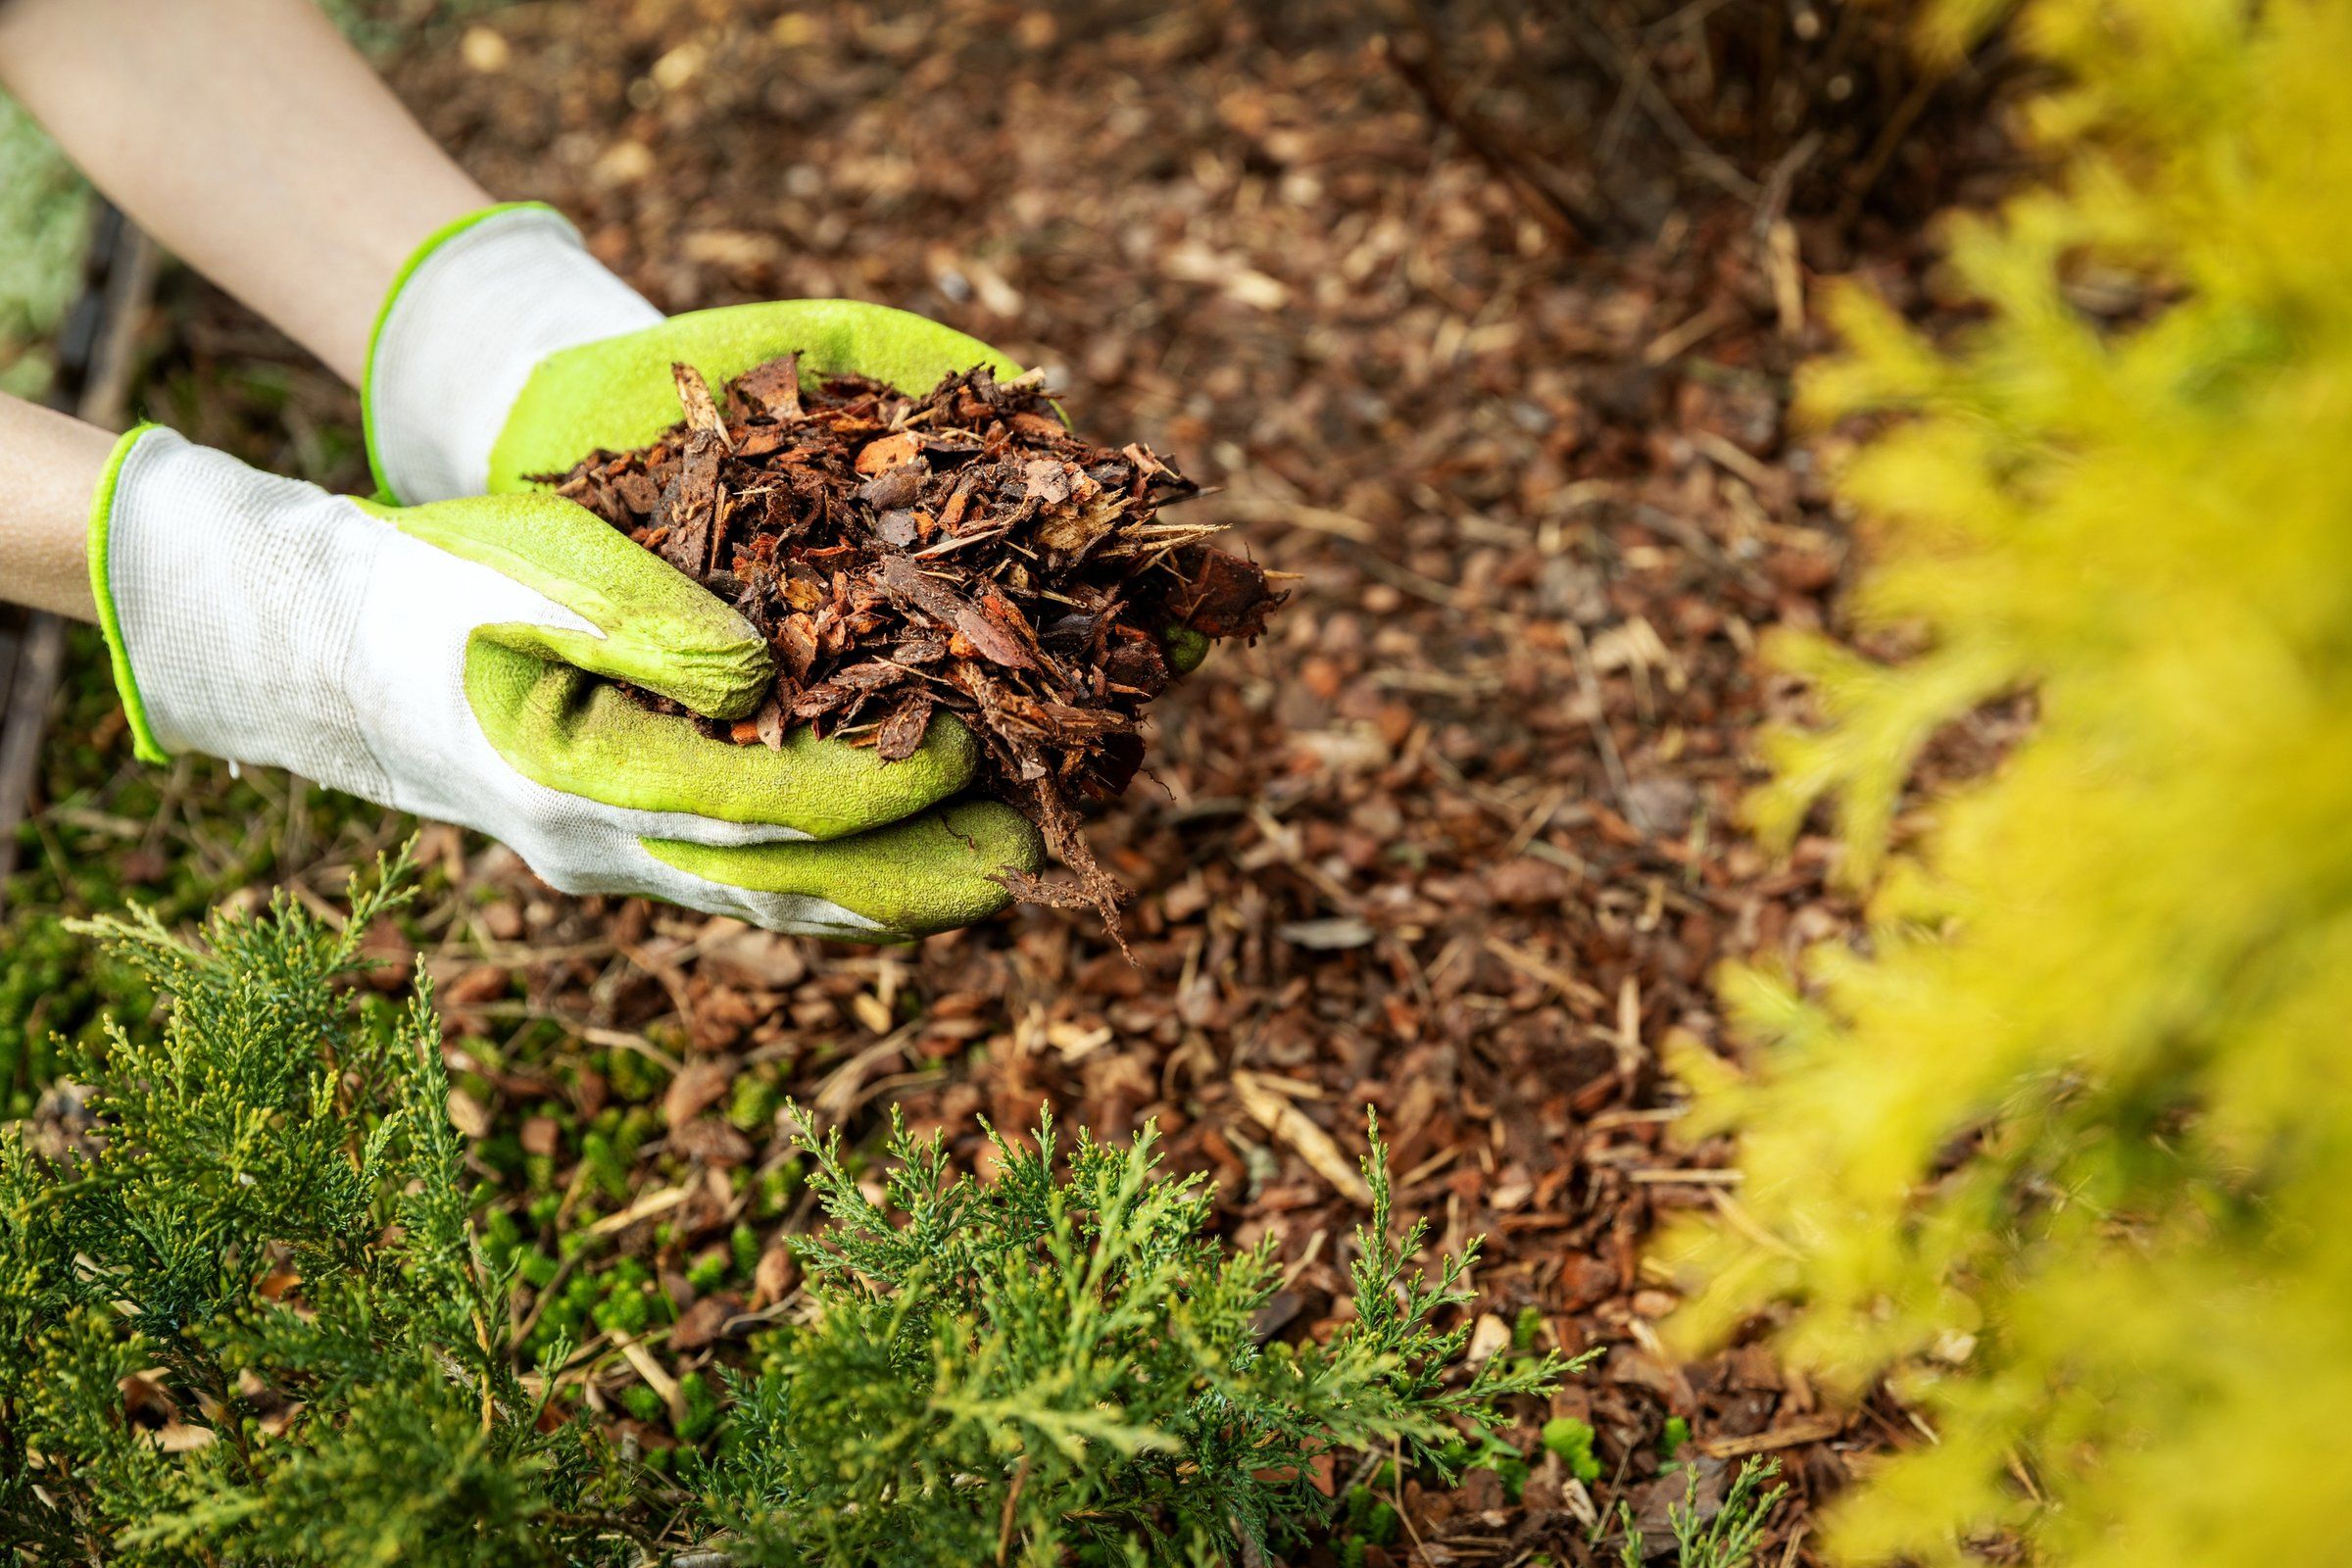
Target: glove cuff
point(228, 598)
point(102, 588)
point(470, 317)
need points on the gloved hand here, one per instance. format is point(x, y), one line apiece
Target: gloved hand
point(440, 659)
point(505, 350)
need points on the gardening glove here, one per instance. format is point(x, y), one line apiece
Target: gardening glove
point(440, 659)
point(506, 351)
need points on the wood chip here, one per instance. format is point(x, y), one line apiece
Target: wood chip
point(1288, 1123)
point(694, 396)
point(1805, 1429)
point(773, 389)
point(696, 1087)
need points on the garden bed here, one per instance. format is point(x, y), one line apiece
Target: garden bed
point(1456, 838)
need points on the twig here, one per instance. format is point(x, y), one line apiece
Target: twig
point(1529, 182)
point(1781, 180)
point(1012, 1495)
point(1632, 69)
point(1597, 719)
point(1882, 151)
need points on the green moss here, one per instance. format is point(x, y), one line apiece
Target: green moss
point(624, 1311)
point(701, 1409)
point(499, 1231)
point(632, 1077)
point(751, 1103)
point(710, 1271)
point(1572, 1440)
point(602, 1166)
point(775, 1191)
point(639, 1126)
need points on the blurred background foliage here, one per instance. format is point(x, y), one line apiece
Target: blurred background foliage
point(44, 217)
point(2065, 1147)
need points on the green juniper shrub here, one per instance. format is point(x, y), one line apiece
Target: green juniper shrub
point(1724, 1539)
point(248, 1321)
point(1060, 1363)
point(247, 1316)
point(257, 828)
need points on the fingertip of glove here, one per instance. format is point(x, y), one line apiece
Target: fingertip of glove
point(718, 679)
point(996, 834)
point(951, 748)
point(913, 878)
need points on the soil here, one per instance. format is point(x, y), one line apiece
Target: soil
point(1458, 838)
point(959, 551)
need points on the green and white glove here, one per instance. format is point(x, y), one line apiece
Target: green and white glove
point(442, 659)
point(504, 349)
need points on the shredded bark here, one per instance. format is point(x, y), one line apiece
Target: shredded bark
point(959, 552)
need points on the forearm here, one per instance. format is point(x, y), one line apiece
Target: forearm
point(249, 138)
point(50, 466)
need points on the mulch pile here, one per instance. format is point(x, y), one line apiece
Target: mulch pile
point(959, 551)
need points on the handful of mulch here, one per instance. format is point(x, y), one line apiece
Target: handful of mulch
point(961, 551)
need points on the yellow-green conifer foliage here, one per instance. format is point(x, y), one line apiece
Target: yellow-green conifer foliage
point(2066, 1143)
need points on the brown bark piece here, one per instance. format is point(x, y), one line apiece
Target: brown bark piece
point(891, 452)
point(694, 396)
point(911, 585)
point(902, 733)
point(690, 506)
point(1228, 597)
point(773, 389)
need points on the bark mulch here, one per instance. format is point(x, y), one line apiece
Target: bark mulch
point(958, 550)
